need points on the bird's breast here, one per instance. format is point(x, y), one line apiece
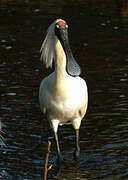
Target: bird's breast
point(64, 100)
point(68, 99)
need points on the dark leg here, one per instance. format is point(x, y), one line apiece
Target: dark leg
point(77, 149)
point(54, 124)
point(58, 150)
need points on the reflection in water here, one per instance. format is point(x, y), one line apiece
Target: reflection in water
point(101, 50)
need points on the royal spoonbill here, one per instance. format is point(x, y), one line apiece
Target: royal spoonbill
point(63, 95)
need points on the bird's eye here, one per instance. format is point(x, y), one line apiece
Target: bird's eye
point(66, 26)
point(57, 26)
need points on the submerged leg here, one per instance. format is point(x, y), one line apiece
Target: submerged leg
point(77, 148)
point(76, 124)
point(58, 149)
point(55, 124)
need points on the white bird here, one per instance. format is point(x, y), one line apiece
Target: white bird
point(63, 95)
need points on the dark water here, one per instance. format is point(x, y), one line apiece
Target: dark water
point(98, 32)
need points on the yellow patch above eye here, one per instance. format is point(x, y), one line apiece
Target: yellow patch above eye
point(57, 25)
point(66, 26)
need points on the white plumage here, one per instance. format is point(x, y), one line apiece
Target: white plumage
point(62, 96)
point(48, 47)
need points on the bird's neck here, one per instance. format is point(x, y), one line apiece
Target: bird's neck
point(60, 62)
point(61, 76)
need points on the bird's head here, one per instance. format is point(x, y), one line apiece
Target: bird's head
point(59, 29)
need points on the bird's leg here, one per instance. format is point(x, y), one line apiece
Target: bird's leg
point(76, 124)
point(54, 124)
point(58, 150)
point(77, 148)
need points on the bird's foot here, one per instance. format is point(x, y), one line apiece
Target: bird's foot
point(59, 160)
point(76, 153)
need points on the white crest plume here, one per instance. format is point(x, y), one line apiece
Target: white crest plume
point(48, 47)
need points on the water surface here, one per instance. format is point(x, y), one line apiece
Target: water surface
point(98, 37)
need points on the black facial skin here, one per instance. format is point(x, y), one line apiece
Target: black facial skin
point(72, 67)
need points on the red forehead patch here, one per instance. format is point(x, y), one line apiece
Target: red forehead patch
point(61, 22)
